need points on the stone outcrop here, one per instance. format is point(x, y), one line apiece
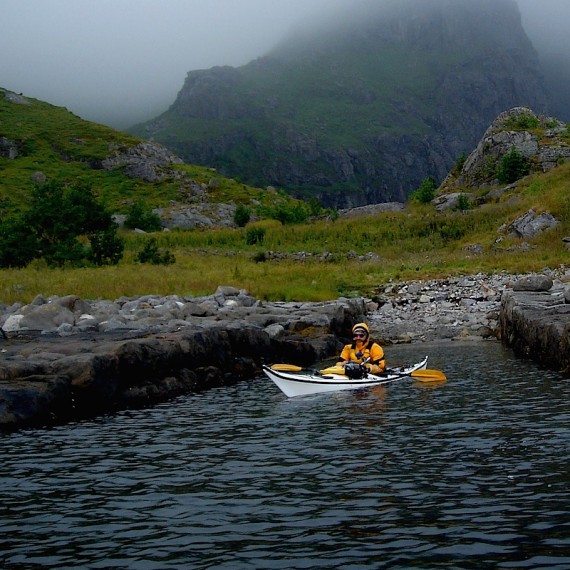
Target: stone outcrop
point(54, 380)
point(535, 321)
point(372, 209)
point(544, 143)
point(439, 309)
point(70, 315)
point(66, 358)
point(9, 148)
point(530, 225)
point(148, 161)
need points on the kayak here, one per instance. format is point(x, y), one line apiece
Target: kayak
point(294, 381)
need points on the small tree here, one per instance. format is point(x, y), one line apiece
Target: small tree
point(242, 215)
point(463, 203)
point(51, 229)
point(425, 193)
point(18, 246)
point(315, 206)
point(458, 166)
point(106, 247)
point(151, 253)
point(512, 167)
point(142, 218)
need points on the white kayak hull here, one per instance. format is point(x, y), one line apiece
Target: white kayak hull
point(294, 384)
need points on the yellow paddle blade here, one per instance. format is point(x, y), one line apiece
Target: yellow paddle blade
point(333, 370)
point(428, 375)
point(286, 367)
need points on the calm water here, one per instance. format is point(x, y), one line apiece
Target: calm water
point(474, 473)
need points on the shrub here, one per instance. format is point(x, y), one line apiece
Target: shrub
point(242, 215)
point(151, 253)
point(523, 122)
point(463, 203)
point(315, 206)
point(425, 193)
point(289, 213)
point(512, 167)
point(254, 236)
point(52, 228)
point(142, 218)
point(18, 246)
point(458, 166)
point(106, 247)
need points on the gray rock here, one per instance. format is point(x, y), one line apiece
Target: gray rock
point(47, 317)
point(536, 325)
point(371, 209)
point(73, 303)
point(275, 331)
point(532, 224)
point(12, 323)
point(451, 201)
point(147, 160)
point(534, 283)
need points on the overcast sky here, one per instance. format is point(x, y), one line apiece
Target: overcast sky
point(123, 61)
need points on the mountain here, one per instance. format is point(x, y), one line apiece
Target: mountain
point(360, 111)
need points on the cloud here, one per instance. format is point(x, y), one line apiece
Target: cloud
point(123, 61)
point(546, 23)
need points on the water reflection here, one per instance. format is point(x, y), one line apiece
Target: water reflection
point(471, 473)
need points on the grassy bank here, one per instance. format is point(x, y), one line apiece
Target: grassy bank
point(362, 254)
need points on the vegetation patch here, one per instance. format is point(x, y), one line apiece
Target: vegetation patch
point(64, 225)
point(522, 122)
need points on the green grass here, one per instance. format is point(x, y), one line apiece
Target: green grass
point(418, 243)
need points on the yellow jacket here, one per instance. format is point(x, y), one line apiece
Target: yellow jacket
point(357, 352)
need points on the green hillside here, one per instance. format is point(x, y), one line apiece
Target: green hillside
point(36, 137)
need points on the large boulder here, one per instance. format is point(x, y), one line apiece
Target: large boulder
point(46, 317)
point(534, 283)
point(531, 224)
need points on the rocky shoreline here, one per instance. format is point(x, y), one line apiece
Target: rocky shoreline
point(65, 358)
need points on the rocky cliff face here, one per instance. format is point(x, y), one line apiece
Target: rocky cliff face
point(543, 141)
point(361, 113)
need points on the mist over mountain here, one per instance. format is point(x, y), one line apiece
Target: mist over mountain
point(362, 107)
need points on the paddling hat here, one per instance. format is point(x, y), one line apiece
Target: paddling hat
point(361, 327)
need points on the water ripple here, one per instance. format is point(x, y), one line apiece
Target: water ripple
point(469, 474)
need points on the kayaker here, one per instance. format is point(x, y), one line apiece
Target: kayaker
point(362, 348)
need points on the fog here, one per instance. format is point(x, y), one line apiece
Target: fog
point(119, 62)
point(546, 23)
